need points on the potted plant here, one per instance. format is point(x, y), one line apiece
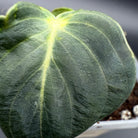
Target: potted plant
point(60, 72)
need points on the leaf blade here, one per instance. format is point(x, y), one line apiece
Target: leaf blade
point(56, 73)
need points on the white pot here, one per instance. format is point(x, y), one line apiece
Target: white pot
point(106, 126)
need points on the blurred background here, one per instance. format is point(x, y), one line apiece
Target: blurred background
point(123, 11)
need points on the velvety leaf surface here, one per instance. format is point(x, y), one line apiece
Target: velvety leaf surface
point(59, 75)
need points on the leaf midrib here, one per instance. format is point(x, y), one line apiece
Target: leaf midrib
point(50, 43)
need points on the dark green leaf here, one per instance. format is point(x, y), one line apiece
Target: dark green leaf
point(61, 10)
point(59, 75)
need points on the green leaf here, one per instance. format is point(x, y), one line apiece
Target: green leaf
point(61, 10)
point(59, 75)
